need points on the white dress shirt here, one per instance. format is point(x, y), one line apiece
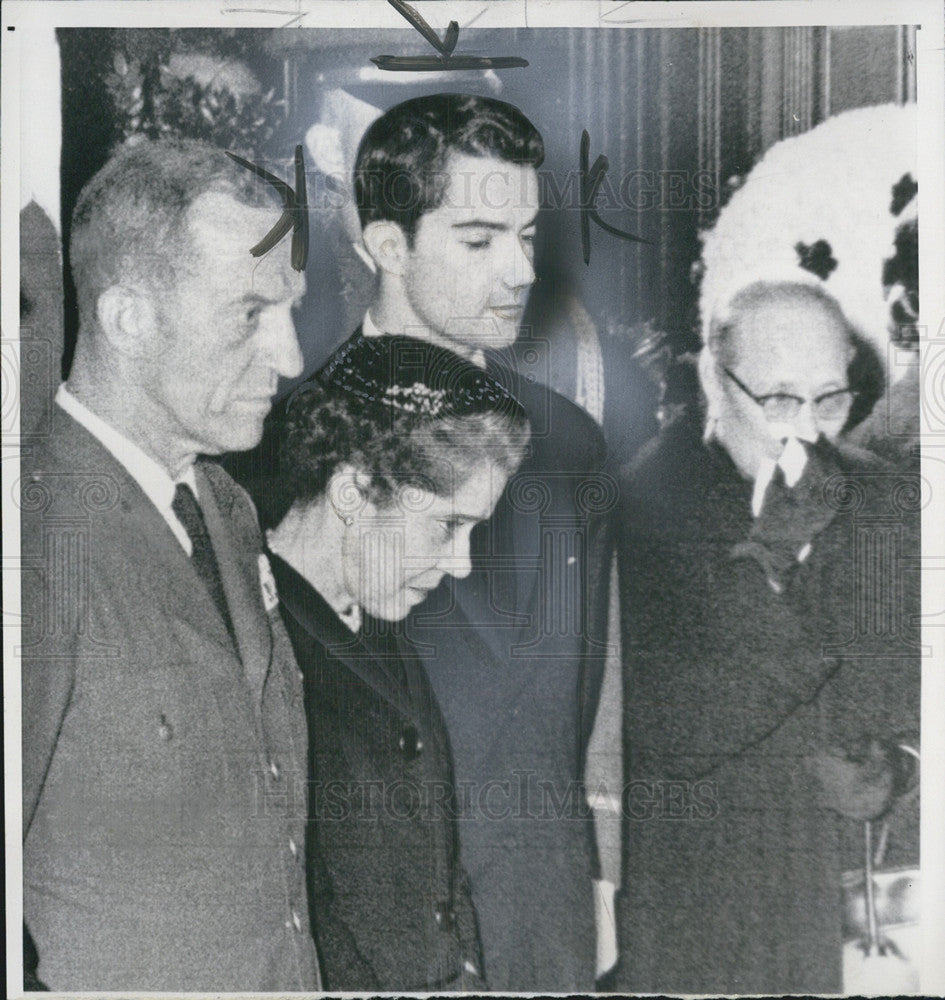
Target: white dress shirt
point(151, 476)
point(369, 327)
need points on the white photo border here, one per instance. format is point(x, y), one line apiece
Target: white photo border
point(29, 76)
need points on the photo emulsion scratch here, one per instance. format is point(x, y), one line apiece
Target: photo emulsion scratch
point(472, 498)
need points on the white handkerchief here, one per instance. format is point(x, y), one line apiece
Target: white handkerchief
point(352, 617)
point(792, 460)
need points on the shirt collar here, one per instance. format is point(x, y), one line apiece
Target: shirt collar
point(150, 475)
point(792, 461)
point(369, 327)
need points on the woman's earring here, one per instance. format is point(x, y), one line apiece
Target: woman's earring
point(347, 518)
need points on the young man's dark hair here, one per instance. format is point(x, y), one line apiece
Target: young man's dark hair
point(401, 168)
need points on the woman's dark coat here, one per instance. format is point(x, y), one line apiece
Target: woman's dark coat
point(732, 859)
point(390, 906)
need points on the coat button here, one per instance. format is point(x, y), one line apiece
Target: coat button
point(445, 917)
point(296, 922)
point(165, 730)
point(410, 743)
point(293, 848)
point(274, 769)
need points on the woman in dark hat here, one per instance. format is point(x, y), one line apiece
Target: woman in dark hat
point(388, 460)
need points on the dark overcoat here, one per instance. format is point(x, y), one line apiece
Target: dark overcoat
point(389, 899)
point(732, 860)
point(515, 653)
point(159, 758)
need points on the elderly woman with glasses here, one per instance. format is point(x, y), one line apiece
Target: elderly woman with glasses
point(770, 674)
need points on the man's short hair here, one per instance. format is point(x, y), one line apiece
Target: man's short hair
point(400, 170)
point(130, 222)
point(759, 293)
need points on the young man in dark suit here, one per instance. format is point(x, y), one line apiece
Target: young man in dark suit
point(448, 197)
point(163, 734)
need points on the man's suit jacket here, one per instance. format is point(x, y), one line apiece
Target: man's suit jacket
point(163, 767)
point(515, 654)
point(390, 900)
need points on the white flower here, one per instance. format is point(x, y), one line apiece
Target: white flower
point(267, 582)
point(833, 183)
point(416, 398)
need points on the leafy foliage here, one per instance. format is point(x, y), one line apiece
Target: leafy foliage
point(150, 101)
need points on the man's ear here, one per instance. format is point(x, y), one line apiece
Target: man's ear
point(127, 319)
point(386, 242)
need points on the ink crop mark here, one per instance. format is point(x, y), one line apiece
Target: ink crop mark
point(295, 210)
point(444, 46)
point(591, 180)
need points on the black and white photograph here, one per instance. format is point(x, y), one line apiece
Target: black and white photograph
point(473, 497)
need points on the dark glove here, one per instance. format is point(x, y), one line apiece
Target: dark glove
point(859, 784)
point(791, 517)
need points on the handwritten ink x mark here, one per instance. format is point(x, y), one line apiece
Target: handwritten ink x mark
point(294, 214)
point(445, 46)
point(591, 180)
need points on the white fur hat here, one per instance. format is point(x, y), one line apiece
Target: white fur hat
point(823, 207)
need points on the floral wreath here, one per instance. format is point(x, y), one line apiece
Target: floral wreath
point(836, 207)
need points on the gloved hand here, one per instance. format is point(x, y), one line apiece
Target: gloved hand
point(791, 517)
point(859, 784)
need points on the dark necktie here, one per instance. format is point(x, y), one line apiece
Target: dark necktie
point(190, 515)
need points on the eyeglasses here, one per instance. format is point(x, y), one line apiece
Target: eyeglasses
point(783, 406)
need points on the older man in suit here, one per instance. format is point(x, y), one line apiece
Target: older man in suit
point(163, 733)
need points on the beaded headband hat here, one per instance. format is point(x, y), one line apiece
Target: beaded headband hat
point(395, 373)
